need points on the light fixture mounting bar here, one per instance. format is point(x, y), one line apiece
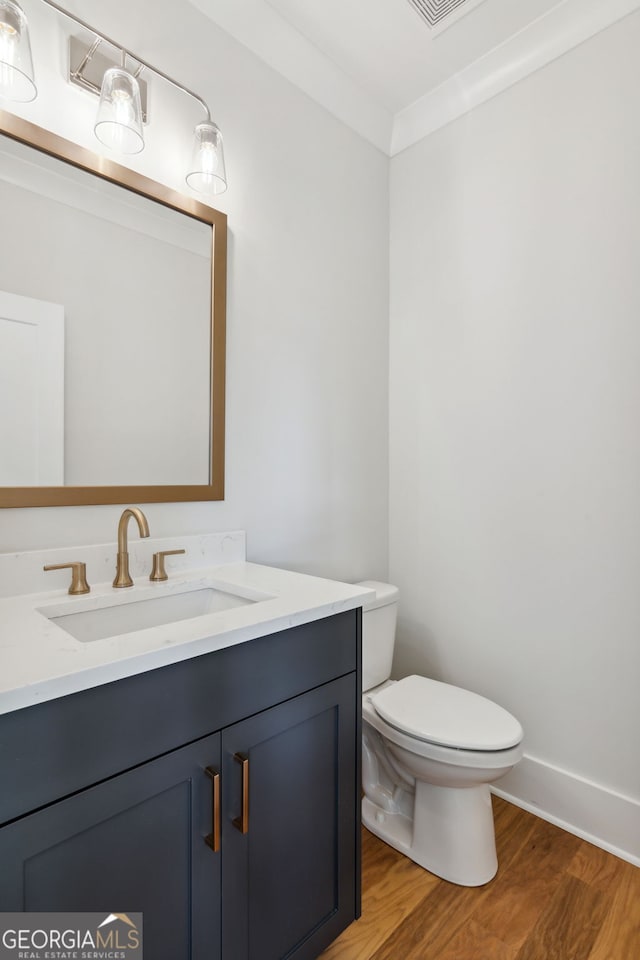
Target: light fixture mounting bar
point(142, 63)
point(77, 75)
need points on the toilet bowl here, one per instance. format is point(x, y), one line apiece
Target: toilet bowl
point(430, 750)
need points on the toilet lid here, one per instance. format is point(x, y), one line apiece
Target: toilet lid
point(446, 715)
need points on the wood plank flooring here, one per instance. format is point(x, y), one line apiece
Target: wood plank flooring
point(555, 897)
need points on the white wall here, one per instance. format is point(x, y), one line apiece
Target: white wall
point(515, 403)
point(306, 464)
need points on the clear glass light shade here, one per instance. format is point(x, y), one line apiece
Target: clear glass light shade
point(207, 173)
point(16, 65)
point(119, 121)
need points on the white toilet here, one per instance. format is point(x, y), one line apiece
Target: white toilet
point(430, 751)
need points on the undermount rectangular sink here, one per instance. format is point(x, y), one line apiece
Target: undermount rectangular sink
point(111, 621)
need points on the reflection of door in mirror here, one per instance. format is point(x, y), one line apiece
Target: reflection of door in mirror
point(135, 280)
point(31, 392)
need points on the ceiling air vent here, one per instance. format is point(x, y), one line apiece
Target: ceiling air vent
point(439, 14)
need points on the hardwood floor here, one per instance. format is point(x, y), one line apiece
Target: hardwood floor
point(555, 897)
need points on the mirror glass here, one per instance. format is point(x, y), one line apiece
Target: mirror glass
point(111, 379)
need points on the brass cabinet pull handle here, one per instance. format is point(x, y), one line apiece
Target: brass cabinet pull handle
point(242, 822)
point(213, 839)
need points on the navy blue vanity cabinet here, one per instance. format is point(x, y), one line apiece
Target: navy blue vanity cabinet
point(134, 841)
point(288, 870)
point(218, 796)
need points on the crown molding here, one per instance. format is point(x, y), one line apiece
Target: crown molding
point(257, 26)
point(547, 38)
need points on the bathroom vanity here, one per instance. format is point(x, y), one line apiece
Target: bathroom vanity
point(203, 772)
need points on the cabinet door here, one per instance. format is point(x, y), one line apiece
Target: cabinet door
point(133, 843)
point(289, 881)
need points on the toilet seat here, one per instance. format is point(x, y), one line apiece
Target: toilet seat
point(452, 756)
point(446, 716)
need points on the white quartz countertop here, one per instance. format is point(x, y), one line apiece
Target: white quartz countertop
point(39, 660)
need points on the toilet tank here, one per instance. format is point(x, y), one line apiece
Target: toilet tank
point(378, 632)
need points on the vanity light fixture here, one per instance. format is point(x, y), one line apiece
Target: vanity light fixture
point(122, 106)
point(16, 65)
point(119, 120)
point(207, 174)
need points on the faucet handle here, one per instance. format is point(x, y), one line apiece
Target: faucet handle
point(158, 571)
point(78, 575)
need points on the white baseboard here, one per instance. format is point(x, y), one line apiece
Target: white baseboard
point(589, 810)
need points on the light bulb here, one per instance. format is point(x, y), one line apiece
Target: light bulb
point(119, 121)
point(207, 173)
point(8, 44)
point(16, 66)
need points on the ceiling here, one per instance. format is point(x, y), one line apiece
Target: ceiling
point(391, 52)
point(380, 68)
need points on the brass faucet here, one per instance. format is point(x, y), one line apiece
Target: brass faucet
point(123, 577)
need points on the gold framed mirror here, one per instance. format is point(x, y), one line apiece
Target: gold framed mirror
point(126, 388)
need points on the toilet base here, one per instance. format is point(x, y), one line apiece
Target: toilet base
point(450, 835)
